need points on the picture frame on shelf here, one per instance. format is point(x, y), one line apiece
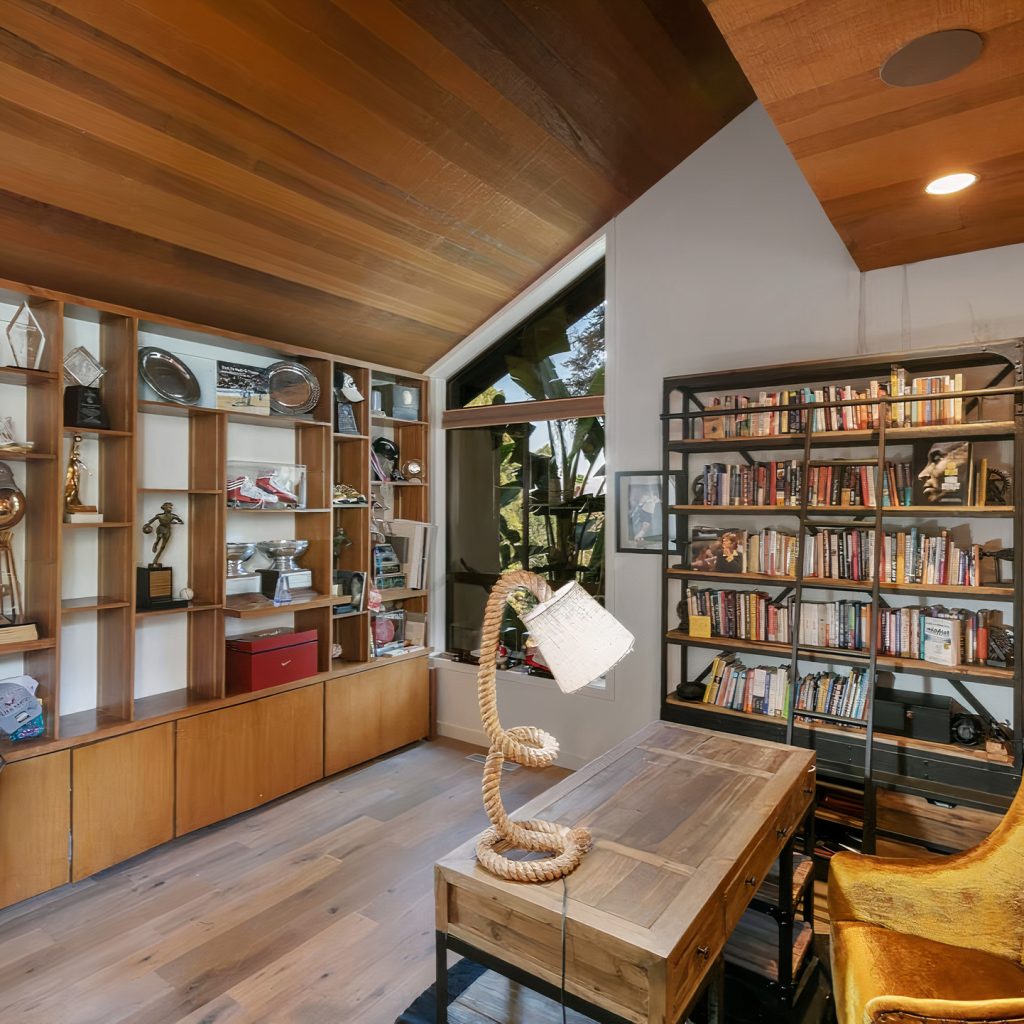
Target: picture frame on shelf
point(242, 388)
point(346, 419)
point(638, 513)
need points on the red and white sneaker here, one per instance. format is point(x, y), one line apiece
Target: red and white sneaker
point(276, 493)
point(243, 493)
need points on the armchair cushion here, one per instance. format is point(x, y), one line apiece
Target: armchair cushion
point(888, 977)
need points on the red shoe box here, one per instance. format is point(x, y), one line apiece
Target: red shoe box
point(270, 657)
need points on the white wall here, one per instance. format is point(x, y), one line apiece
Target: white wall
point(978, 296)
point(728, 261)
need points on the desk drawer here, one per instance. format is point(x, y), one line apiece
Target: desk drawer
point(694, 956)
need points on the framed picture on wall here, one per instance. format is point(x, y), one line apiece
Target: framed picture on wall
point(638, 512)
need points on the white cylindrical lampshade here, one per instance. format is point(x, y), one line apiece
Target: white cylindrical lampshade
point(578, 639)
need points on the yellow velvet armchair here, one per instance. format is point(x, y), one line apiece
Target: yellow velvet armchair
point(931, 941)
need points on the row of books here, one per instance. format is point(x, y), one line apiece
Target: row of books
point(771, 413)
point(907, 556)
point(411, 541)
point(944, 636)
point(780, 483)
point(843, 694)
point(755, 615)
point(762, 690)
point(765, 689)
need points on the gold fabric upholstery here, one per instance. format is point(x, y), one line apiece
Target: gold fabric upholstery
point(930, 941)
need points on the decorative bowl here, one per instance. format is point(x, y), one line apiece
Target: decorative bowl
point(283, 553)
point(239, 552)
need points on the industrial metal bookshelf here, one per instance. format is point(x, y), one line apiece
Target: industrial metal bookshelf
point(852, 754)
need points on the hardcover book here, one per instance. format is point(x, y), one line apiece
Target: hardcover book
point(942, 472)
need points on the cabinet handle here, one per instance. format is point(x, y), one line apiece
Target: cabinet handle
point(751, 881)
point(784, 831)
point(703, 952)
point(808, 790)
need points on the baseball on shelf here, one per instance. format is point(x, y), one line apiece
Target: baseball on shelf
point(186, 594)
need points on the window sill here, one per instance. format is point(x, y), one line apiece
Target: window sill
point(600, 689)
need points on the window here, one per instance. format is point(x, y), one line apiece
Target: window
point(526, 462)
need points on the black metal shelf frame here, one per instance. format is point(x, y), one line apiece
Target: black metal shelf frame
point(979, 784)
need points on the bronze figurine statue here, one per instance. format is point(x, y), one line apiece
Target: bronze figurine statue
point(164, 519)
point(74, 478)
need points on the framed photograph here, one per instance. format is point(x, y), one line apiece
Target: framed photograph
point(942, 472)
point(718, 550)
point(638, 506)
point(242, 388)
point(353, 585)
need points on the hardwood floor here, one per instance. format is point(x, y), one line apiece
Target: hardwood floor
point(317, 909)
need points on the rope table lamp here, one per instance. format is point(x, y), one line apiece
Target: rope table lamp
point(580, 641)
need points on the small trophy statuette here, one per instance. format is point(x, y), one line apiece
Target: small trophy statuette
point(154, 582)
point(75, 510)
point(83, 406)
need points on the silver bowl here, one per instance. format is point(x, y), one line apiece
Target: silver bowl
point(283, 553)
point(239, 552)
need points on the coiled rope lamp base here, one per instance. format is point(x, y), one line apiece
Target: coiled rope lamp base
point(526, 745)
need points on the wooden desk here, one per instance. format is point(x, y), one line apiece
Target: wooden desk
point(686, 824)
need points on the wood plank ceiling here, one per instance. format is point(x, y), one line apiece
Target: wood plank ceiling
point(369, 177)
point(868, 149)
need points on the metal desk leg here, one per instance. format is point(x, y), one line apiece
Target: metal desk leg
point(441, 979)
point(716, 993)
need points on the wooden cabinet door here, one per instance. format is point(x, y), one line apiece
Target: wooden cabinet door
point(122, 800)
point(35, 819)
point(231, 760)
point(369, 713)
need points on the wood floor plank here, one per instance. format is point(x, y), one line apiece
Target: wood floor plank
point(315, 908)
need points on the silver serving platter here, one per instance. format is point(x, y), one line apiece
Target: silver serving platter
point(293, 388)
point(168, 376)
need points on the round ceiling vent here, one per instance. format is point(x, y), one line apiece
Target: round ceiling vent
point(932, 58)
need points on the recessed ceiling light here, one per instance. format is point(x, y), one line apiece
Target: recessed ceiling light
point(950, 183)
point(932, 58)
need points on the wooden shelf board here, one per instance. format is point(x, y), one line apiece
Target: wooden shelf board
point(385, 421)
point(273, 420)
point(912, 666)
point(339, 436)
point(96, 432)
point(754, 944)
point(823, 583)
point(297, 511)
point(32, 456)
point(24, 646)
point(174, 409)
point(803, 866)
point(399, 483)
point(993, 430)
point(402, 594)
point(888, 512)
point(348, 615)
point(84, 723)
point(148, 613)
point(180, 490)
point(21, 375)
point(90, 604)
point(297, 606)
point(95, 526)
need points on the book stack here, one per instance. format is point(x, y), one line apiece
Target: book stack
point(411, 542)
point(931, 410)
point(763, 690)
point(943, 636)
point(909, 556)
point(774, 413)
point(19, 633)
point(833, 693)
point(780, 483)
